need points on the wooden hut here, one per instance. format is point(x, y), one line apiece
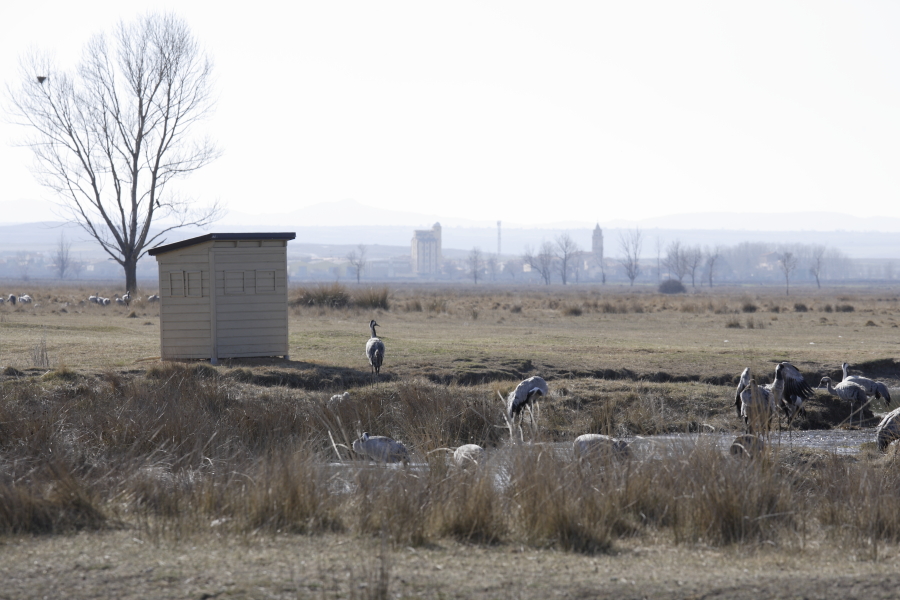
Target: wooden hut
point(223, 295)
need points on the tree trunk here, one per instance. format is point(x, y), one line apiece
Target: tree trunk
point(130, 266)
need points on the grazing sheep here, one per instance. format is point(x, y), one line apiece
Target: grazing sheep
point(599, 445)
point(888, 430)
point(381, 449)
point(468, 454)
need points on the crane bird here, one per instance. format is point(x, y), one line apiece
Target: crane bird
point(599, 445)
point(888, 430)
point(127, 298)
point(12, 299)
point(755, 404)
point(847, 390)
point(872, 387)
point(375, 349)
point(524, 396)
point(381, 448)
point(788, 391)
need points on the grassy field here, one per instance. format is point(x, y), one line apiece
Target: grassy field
point(121, 476)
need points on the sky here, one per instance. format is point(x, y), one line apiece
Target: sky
point(527, 112)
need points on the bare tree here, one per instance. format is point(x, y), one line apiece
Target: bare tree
point(567, 248)
point(542, 262)
point(61, 261)
point(788, 262)
point(676, 260)
point(712, 257)
point(630, 243)
point(512, 266)
point(24, 262)
point(111, 137)
point(659, 244)
point(357, 260)
point(492, 264)
point(476, 263)
point(817, 262)
point(693, 258)
point(76, 267)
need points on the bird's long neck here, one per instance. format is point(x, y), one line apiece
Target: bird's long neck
point(845, 369)
point(372, 329)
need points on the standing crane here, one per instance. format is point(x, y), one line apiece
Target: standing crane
point(788, 391)
point(847, 390)
point(872, 387)
point(375, 349)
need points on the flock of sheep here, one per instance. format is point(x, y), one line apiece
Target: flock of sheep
point(756, 405)
point(124, 300)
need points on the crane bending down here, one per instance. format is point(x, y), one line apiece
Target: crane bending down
point(847, 390)
point(524, 396)
point(872, 387)
point(375, 349)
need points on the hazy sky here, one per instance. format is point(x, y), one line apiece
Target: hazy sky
point(526, 112)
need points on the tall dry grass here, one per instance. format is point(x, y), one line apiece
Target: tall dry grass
point(182, 450)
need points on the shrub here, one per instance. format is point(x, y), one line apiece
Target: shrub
point(332, 295)
point(672, 286)
point(572, 311)
point(828, 308)
point(516, 308)
point(844, 308)
point(733, 323)
point(800, 307)
point(373, 298)
point(749, 307)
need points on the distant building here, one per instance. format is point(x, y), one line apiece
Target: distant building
point(426, 251)
point(597, 242)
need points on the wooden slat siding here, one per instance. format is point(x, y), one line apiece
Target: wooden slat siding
point(252, 324)
point(258, 316)
point(185, 325)
point(227, 350)
point(264, 328)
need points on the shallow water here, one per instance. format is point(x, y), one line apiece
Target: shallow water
point(839, 441)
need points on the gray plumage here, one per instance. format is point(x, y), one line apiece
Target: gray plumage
point(788, 392)
point(375, 349)
point(754, 411)
point(381, 448)
point(846, 390)
point(525, 394)
point(888, 430)
point(872, 387)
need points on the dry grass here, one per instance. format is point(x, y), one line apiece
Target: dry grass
point(103, 440)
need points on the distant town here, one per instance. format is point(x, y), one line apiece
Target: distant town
point(41, 252)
